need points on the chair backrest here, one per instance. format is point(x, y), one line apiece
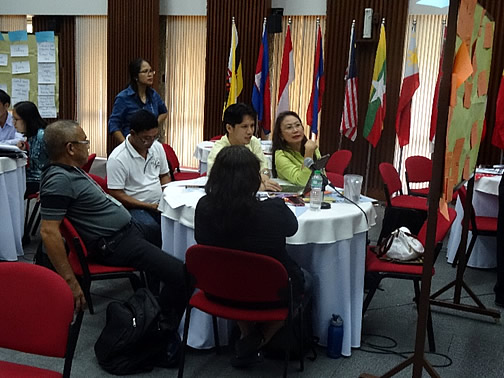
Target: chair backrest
point(237, 275)
point(87, 167)
point(390, 178)
point(172, 158)
point(100, 181)
point(75, 246)
point(37, 309)
point(442, 227)
point(418, 169)
point(336, 179)
point(462, 193)
point(339, 161)
point(215, 138)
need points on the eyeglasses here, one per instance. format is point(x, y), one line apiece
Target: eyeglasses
point(148, 72)
point(86, 142)
point(291, 127)
point(148, 139)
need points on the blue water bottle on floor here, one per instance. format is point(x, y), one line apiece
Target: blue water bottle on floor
point(335, 337)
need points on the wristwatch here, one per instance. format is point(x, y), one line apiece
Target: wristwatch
point(266, 172)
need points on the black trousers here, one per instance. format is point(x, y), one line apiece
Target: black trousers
point(499, 287)
point(130, 248)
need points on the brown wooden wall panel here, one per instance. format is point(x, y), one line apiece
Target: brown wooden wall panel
point(64, 28)
point(339, 20)
point(249, 20)
point(132, 32)
point(489, 154)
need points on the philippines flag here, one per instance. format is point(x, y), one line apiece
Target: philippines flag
point(349, 117)
point(261, 95)
point(286, 74)
point(318, 86)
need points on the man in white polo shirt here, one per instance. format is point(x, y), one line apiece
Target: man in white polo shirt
point(136, 170)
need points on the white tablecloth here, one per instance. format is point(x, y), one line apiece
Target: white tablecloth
point(485, 203)
point(203, 150)
point(12, 188)
point(330, 244)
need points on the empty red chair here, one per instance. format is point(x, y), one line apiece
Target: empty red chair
point(336, 179)
point(418, 170)
point(339, 161)
point(87, 167)
point(100, 181)
point(173, 162)
point(215, 138)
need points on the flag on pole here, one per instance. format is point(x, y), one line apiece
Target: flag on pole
point(349, 119)
point(286, 74)
point(318, 85)
point(498, 132)
point(410, 84)
point(373, 124)
point(234, 78)
point(434, 113)
point(261, 95)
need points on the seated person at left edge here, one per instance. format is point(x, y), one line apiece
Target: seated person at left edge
point(136, 169)
point(138, 95)
point(240, 124)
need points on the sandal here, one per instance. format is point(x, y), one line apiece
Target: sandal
point(249, 344)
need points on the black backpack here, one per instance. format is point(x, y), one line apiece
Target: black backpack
point(132, 340)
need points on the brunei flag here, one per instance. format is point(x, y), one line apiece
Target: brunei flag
point(234, 78)
point(373, 124)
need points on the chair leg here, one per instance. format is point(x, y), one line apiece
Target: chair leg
point(33, 216)
point(36, 225)
point(86, 288)
point(430, 333)
point(184, 341)
point(301, 332)
point(374, 283)
point(216, 334)
point(289, 341)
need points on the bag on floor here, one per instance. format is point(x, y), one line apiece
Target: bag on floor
point(401, 245)
point(132, 341)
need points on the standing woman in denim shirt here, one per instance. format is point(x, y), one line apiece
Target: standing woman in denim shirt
point(28, 121)
point(138, 95)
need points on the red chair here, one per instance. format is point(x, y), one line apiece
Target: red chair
point(392, 185)
point(87, 270)
point(339, 161)
point(226, 276)
point(336, 179)
point(381, 269)
point(418, 170)
point(100, 181)
point(173, 162)
point(37, 317)
point(32, 220)
point(87, 167)
point(215, 138)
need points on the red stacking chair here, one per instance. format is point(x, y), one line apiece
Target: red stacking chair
point(215, 138)
point(237, 276)
point(173, 162)
point(37, 317)
point(87, 270)
point(413, 272)
point(100, 181)
point(478, 225)
point(32, 220)
point(87, 167)
point(336, 179)
point(339, 161)
point(418, 170)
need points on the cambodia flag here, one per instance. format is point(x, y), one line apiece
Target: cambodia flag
point(261, 95)
point(318, 87)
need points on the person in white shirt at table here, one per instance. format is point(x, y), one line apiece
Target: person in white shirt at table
point(136, 171)
point(8, 133)
point(240, 124)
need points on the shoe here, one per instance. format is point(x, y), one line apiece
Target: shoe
point(170, 356)
point(249, 344)
point(242, 362)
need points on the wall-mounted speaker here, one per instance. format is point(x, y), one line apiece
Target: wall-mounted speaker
point(274, 21)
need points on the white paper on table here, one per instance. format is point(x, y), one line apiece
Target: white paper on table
point(46, 90)
point(19, 50)
point(47, 73)
point(181, 193)
point(46, 102)
point(20, 67)
point(47, 111)
point(4, 59)
point(20, 90)
point(3, 87)
point(46, 52)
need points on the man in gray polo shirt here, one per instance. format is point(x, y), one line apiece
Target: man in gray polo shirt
point(103, 223)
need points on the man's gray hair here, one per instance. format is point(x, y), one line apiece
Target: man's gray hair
point(57, 135)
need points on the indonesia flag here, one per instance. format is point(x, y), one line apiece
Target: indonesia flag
point(318, 86)
point(349, 119)
point(261, 95)
point(286, 74)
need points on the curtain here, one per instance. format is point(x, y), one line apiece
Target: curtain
point(429, 38)
point(185, 84)
point(12, 23)
point(91, 81)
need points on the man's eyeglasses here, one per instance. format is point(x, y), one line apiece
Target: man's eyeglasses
point(79, 142)
point(148, 139)
point(148, 72)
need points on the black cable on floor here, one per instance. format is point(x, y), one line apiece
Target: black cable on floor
point(387, 349)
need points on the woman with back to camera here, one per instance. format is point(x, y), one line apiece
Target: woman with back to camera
point(290, 148)
point(28, 122)
point(138, 95)
point(231, 216)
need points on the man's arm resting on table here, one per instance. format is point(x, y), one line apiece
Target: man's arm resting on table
point(165, 178)
point(53, 242)
point(130, 202)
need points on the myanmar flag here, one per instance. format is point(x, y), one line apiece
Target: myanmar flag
point(373, 124)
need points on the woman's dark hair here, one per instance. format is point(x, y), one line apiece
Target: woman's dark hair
point(233, 183)
point(278, 143)
point(30, 115)
point(134, 70)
